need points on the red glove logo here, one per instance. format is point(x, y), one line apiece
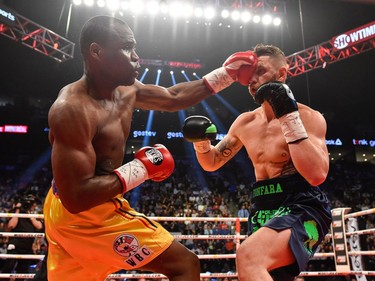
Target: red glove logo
point(154, 156)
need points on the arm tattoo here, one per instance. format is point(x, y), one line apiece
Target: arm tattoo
point(224, 150)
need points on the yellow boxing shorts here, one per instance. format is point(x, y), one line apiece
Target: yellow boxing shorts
point(102, 240)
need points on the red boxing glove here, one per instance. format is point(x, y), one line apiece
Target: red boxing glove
point(157, 160)
point(241, 66)
point(155, 163)
point(238, 67)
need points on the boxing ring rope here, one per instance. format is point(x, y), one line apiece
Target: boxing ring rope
point(237, 237)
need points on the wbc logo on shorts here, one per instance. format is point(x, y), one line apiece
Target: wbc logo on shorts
point(126, 245)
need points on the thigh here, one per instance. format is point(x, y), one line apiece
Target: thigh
point(269, 248)
point(176, 260)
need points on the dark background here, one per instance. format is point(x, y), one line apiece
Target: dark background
point(343, 91)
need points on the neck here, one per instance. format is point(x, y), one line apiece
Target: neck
point(98, 90)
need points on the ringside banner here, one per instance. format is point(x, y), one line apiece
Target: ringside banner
point(7, 15)
point(354, 36)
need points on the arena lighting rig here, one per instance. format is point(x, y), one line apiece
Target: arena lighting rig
point(267, 11)
point(342, 46)
point(34, 36)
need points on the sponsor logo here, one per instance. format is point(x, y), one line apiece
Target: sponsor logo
point(267, 189)
point(354, 36)
point(127, 246)
point(155, 156)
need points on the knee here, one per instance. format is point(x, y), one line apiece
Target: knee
point(245, 260)
point(243, 255)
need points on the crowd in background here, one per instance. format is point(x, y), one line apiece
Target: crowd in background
point(224, 193)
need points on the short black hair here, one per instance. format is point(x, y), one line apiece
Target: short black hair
point(99, 29)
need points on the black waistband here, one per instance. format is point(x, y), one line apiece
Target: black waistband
point(278, 187)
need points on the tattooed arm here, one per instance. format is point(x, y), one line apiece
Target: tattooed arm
point(220, 154)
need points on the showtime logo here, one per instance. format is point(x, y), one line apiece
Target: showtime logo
point(355, 36)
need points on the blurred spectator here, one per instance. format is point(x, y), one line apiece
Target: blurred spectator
point(22, 245)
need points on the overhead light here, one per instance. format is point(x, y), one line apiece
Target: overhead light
point(277, 21)
point(225, 14)
point(209, 13)
point(266, 19)
point(236, 15)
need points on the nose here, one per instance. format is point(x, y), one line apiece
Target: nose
point(134, 57)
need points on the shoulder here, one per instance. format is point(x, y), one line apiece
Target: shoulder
point(246, 117)
point(310, 113)
point(73, 109)
point(72, 99)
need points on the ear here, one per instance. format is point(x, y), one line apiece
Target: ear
point(95, 50)
point(283, 73)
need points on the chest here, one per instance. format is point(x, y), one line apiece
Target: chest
point(265, 142)
point(112, 131)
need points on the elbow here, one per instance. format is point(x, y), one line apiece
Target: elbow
point(209, 169)
point(317, 179)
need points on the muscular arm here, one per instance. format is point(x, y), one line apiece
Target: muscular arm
point(74, 160)
point(310, 156)
point(170, 99)
point(220, 154)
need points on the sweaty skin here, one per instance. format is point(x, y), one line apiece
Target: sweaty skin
point(260, 133)
point(90, 120)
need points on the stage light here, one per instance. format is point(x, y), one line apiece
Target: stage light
point(245, 16)
point(209, 13)
point(277, 21)
point(89, 2)
point(235, 15)
point(266, 19)
point(256, 19)
point(153, 7)
point(125, 5)
point(225, 14)
point(185, 9)
point(113, 4)
point(182, 71)
point(198, 12)
point(144, 75)
point(172, 77)
point(163, 8)
point(175, 9)
point(188, 10)
point(136, 7)
point(100, 3)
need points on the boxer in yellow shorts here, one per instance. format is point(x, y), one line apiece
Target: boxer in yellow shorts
point(100, 241)
point(91, 230)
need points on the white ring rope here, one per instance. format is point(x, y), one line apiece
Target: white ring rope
point(236, 237)
point(360, 213)
point(215, 219)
